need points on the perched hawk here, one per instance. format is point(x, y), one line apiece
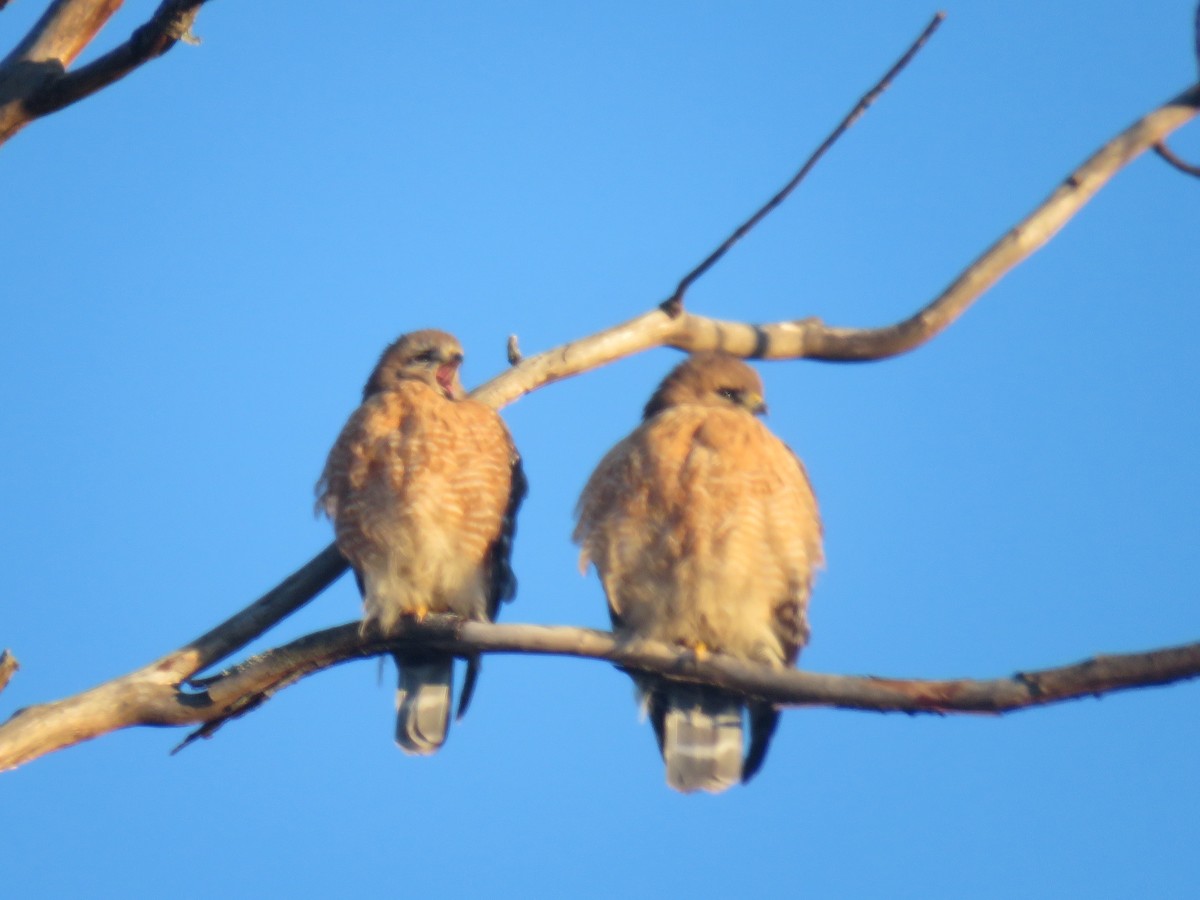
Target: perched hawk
point(705, 533)
point(423, 487)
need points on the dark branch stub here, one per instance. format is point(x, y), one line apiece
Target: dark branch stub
point(673, 305)
point(1167, 154)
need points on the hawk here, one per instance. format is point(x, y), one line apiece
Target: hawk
point(705, 533)
point(423, 487)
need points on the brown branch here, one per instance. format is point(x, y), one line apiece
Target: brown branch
point(34, 80)
point(285, 665)
point(673, 305)
point(150, 695)
point(65, 28)
point(1169, 155)
point(236, 632)
point(143, 699)
point(170, 24)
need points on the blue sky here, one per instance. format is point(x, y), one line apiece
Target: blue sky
point(202, 263)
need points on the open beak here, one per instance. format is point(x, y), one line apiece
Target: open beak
point(447, 378)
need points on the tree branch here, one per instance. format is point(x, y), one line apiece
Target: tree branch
point(151, 695)
point(813, 339)
point(259, 617)
point(170, 24)
point(673, 305)
point(274, 669)
point(1169, 155)
point(65, 28)
point(141, 698)
point(34, 80)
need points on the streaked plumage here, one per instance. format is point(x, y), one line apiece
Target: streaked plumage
point(705, 533)
point(423, 487)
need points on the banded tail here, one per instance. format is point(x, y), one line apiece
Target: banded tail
point(423, 702)
point(699, 732)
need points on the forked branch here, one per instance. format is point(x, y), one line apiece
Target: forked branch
point(34, 77)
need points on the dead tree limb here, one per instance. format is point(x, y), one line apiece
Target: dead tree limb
point(34, 77)
point(813, 339)
point(146, 698)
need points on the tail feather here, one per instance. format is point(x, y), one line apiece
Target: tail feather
point(468, 689)
point(423, 702)
point(700, 734)
point(764, 718)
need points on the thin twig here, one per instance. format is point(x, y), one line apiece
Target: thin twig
point(1169, 155)
point(673, 305)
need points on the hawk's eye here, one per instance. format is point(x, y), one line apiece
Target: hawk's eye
point(733, 395)
point(426, 356)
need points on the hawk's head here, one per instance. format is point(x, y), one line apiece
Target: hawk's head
point(428, 355)
point(710, 379)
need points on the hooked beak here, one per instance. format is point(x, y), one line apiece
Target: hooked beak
point(756, 404)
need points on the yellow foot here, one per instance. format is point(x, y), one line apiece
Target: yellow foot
point(421, 613)
point(701, 651)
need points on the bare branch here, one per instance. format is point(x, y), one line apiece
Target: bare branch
point(170, 24)
point(34, 80)
point(811, 338)
point(8, 662)
point(151, 695)
point(673, 305)
point(285, 665)
point(143, 699)
point(235, 633)
point(1169, 155)
point(65, 28)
